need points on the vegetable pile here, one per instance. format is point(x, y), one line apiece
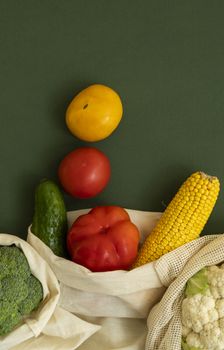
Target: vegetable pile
point(105, 239)
point(20, 291)
point(84, 173)
point(202, 312)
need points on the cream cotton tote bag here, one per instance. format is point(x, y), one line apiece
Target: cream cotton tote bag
point(117, 301)
point(50, 326)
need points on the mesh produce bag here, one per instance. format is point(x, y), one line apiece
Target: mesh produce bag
point(174, 270)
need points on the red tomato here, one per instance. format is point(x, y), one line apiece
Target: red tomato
point(84, 172)
point(104, 239)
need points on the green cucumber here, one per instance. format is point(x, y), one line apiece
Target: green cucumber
point(50, 218)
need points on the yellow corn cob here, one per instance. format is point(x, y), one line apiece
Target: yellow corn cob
point(184, 218)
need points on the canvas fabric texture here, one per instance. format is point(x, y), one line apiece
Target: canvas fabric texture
point(137, 309)
point(50, 326)
point(117, 301)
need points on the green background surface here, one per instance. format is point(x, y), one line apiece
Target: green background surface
point(164, 58)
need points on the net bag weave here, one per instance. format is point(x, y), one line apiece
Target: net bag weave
point(174, 270)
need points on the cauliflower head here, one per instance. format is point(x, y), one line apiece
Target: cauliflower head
point(20, 291)
point(202, 311)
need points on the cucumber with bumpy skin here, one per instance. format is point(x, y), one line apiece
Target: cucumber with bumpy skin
point(50, 219)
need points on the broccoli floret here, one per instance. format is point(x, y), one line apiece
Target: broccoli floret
point(6, 309)
point(13, 262)
point(35, 295)
point(9, 316)
point(20, 291)
point(14, 288)
point(10, 323)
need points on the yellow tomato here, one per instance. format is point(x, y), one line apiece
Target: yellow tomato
point(94, 113)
